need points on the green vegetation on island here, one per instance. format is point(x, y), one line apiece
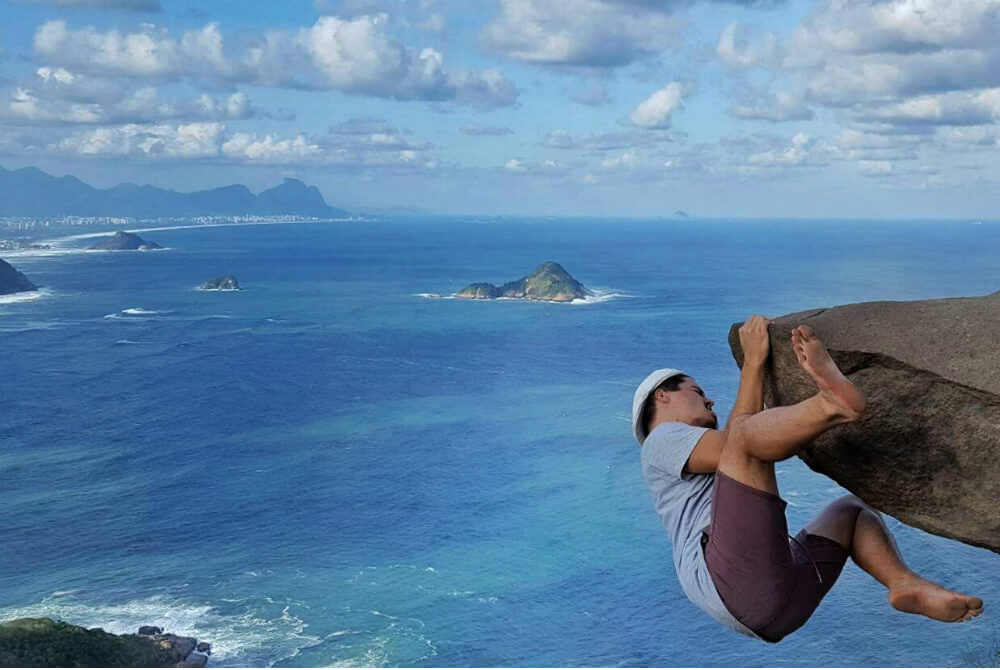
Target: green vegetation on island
point(44, 643)
point(550, 283)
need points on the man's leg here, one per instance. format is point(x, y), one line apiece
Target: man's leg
point(861, 530)
point(757, 441)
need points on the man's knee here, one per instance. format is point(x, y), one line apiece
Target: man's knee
point(852, 504)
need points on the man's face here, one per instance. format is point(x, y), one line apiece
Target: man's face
point(689, 404)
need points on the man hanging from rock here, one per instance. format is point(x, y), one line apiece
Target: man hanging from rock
point(717, 495)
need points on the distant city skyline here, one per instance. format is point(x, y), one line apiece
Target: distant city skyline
point(821, 108)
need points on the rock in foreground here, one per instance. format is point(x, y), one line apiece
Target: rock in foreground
point(550, 282)
point(12, 281)
point(122, 241)
point(928, 449)
point(227, 283)
point(47, 643)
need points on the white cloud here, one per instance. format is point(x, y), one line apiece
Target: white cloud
point(147, 53)
point(193, 140)
point(801, 151)
point(591, 33)
point(656, 110)
point(358, 143)
point(270, 148)
point(356, 55)
point(514, 165)
point(627, 159)
point(59, 96)
point(955, 108)
point(734, 48)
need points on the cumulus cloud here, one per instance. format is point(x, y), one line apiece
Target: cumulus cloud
point(545, 167)
point(656, 110)
point(356, 55)
point(865, 52)
point(59, 96)
point(591, 33)
point(902, 79)
point(947, 109)
point(193, 140)
point(344, 145)
point(270, 148)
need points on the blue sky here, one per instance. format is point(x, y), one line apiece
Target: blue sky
point(818, 108)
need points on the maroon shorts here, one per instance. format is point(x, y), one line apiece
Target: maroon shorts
point(769, 582)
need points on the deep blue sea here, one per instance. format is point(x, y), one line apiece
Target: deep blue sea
point(328, 468)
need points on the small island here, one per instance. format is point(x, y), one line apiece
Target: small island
point(12, 281)
point(122, 241)
point(549, 283)
point(227, 283)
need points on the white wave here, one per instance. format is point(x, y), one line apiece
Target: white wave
point(136, 314)
point(601, 295)
point(26, 296)
point(121, 342)
point(44, 253)
point(435, 296)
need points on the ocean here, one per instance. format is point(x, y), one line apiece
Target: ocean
point(330, 468)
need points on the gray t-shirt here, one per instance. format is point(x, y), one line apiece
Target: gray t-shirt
point(684, 503)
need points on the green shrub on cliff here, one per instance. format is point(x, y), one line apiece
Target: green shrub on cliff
point(38, 643)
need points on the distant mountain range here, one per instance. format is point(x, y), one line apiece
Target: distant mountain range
point(31, 192)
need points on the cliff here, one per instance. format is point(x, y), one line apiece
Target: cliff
point(927, 450)
point(44, 643)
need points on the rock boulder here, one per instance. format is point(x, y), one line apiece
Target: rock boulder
point(927, 450)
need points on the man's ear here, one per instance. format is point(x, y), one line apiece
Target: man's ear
point(661, 395)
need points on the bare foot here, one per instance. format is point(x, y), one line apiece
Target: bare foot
point(920, 596)
point(833, 385)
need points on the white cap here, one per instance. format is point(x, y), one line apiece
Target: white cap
point(647, 386)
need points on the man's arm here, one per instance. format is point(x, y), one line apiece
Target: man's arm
point(749, 398)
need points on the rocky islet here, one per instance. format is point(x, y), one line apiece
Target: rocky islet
point(123, 241)
point(12, 281)
point(549, 282)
